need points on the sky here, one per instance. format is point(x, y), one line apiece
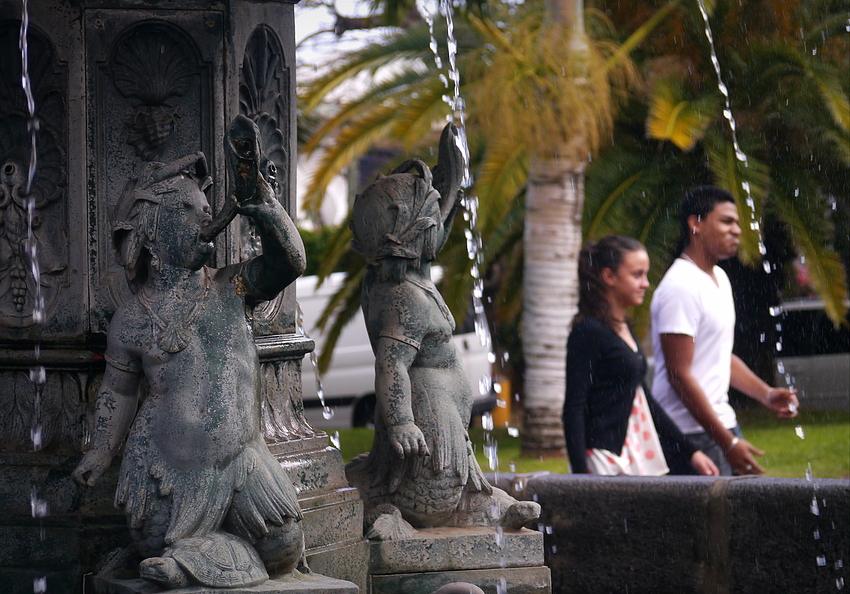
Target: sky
point(310, 19)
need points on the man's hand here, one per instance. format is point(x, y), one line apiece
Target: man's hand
point(94, 464)
point(407, 441)
point(740, 456)
point(783, 401)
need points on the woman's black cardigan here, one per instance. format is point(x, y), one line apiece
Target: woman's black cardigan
point(603, 373)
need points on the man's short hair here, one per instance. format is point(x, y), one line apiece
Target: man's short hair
point(700, 201)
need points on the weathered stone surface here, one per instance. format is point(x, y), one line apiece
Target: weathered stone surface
point(521, 580)
point(107, 98)
point(692, 534)
point(446, 549)
point(785, 535)
point(347, 560)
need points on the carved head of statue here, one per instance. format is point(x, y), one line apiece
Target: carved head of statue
point(160, 215)
point(397, 218)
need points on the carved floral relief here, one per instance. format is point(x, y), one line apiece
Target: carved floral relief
point(33, 226)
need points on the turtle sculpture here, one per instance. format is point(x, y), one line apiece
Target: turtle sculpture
point(421, 471)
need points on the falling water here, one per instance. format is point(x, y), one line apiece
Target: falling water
point(776, 312)
point(473, 239)
point(327, 411)
point(727, 113)
point(38, 374)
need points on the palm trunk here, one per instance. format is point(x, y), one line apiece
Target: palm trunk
point(550, 295)
point(552, 240)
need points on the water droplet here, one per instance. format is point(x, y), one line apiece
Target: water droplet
point(815, 509)
point(766, 266)
point(779, 346)
point(817, 534)
point(328, 413)
point(793, 407)
point(38, 506)
point(799, 431)
point(335, 439)
point(39, 585)
point(780, 367)
point(512, 467)
point(761, 337)
point(35, 436)
point(821, 561)
point(38, 375)
point(513, 431)
point(487, 421)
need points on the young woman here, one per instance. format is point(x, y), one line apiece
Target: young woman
point(611, 421)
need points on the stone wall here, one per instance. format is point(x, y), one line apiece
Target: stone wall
point(691, 534)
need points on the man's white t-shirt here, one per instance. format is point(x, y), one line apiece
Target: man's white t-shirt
point(689, 302)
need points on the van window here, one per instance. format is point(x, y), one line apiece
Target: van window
point(808, 331)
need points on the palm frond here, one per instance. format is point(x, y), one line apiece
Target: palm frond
point(672, 116)
point(747, 182)
point(804, 211)
point(340, 310)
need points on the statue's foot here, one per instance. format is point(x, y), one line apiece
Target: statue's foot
point(389, 525)
point(519, 514)
point(163, 570)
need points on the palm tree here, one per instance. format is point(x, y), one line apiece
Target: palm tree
point(541, 97)
point(789, 93)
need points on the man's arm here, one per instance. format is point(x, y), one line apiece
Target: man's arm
point(678, 355)
point(114, 413)
point(781, 400)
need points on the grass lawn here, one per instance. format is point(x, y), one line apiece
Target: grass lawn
point(825, 445)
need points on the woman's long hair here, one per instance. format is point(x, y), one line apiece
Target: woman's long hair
point(608, 252)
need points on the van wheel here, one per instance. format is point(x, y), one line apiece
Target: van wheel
point(364, 412)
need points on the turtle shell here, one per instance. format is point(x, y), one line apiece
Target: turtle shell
point(218, 560)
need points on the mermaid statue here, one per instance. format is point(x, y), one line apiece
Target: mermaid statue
point(421, 471)
point(206, 502)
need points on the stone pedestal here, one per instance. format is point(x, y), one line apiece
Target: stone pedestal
point(482, 556)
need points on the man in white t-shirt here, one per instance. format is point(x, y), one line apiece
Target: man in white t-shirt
point(693, 327)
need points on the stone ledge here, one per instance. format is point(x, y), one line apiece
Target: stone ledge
point(691, 534)
point(521, 580)
point(447, 549)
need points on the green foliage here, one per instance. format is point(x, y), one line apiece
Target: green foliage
point(825, 445)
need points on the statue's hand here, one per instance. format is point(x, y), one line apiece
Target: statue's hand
point(261, 200)
point(94, 464)
point(407, 440)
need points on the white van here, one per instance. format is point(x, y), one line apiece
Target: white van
point(349, 384)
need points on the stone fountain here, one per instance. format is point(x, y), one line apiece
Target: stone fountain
point(116, 85)
point(138, 178)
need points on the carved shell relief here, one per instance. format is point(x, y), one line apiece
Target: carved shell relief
point(263, 96)
point(33, 225)
point(153, 68)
